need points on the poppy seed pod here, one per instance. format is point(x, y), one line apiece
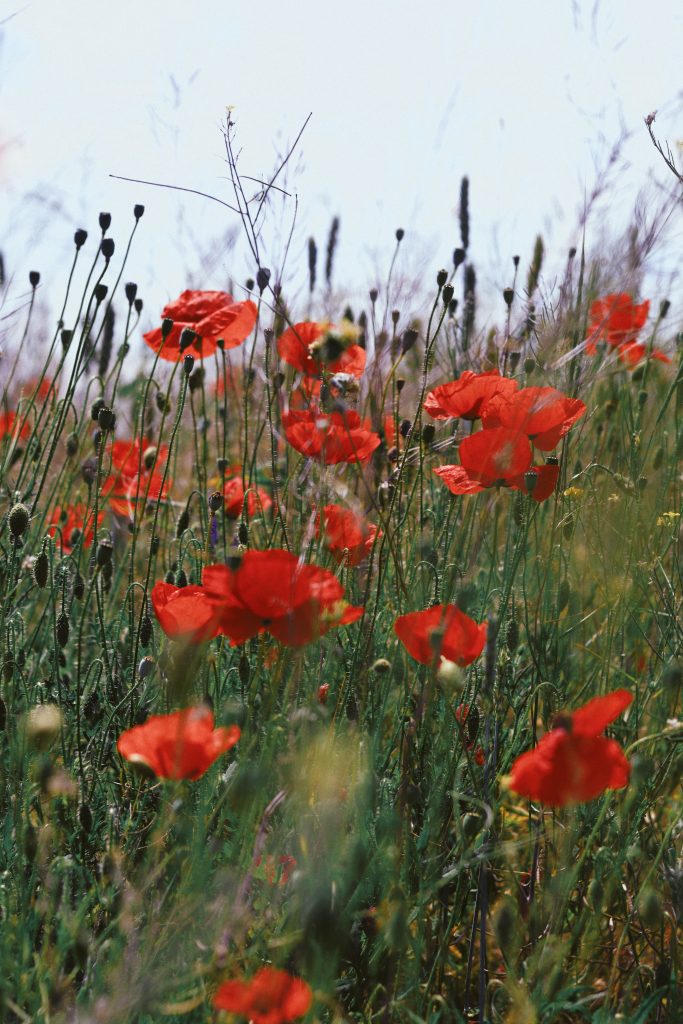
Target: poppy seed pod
point(138, 211)
point(664, 307)
point(441, 278)
point(530, 481)
point(80, 238)
point(95, 408)
point(188, 363)
point(447, 294)
point(18, 518)
point(373, 295)
point(458, 257)
point(405, 427)
point(508, 296)
point(107, 248)
point(400, 234)
point(428, 433)
point(400, 384)
point(105, 221)
point(66, 336)
point(100, 292)
point(395, 316)
point(34, 278)
point(187, 338)
point(131, 291)
point(105, 551)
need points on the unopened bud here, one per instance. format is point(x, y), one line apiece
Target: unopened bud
point(18, 519)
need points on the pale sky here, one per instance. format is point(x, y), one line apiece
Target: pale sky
point(527, 99)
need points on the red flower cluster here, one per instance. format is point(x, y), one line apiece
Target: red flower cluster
point(136, 476)
point(213, 316)
point(616, 320)
point(501, 454)
point(347, 536)
point(270, 997)
point(76, 523)
point(573, 762)
point(299, 347)
point(332, 437)
point(442, 630)
point(181, 745)
point(269, 592)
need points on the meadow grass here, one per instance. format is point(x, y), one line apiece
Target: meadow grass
point(363, 837)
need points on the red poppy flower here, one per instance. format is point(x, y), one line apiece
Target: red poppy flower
point(489, 458)
point(42, 388)
point(333, 437)
point(269, 592)
point(139, 456)
point(10, 426)
point(270, 997)
point(181, 745)
point(633, 352)
point(184, 613)
point(466, 397)
point(545, 415)
point(258, 500)
point(297, 346)
point(76, 523)
point(616, 320)
point(573, 762)
point(442, 629)
point(214, 316)
point(347, 536)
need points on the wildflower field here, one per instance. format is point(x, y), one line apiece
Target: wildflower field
point(341, 647)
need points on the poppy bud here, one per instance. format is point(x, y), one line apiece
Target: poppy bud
point(106, 418)
point(187, 338)
point(508, 296)
point(182, 524)
point(78, 587)
point(447, 294)
point(66, 337)
point(170, 577)
point(18, 519)
point(373, 295)
point(395, 316)
point(381, 666)
point(243, 534)
point(181, 578)
point(80, 237)
point(243, 669)
point(107, 248)
point(428, 433)
point(62, 629)
point(505, 924)
point(188, 363)
point(530, 481)
point(458, 257)
point(552, 460)
point(215, 501)
point(664, 307)
point(408, 339)
point(405, 427)
point(146, 631)
point(41, 566)
point(162, 402)
point(512, 636)
point(105, 551)
point(249, 284)
point(138, 211)
point(97, 441)
point(85, 818)
point(262, 279)
point(441, 278)
point(146, 667)
point(400, 384)
point(100, 292)
point(197, 379)
point(131, 291)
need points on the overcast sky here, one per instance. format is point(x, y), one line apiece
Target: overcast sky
point(527, 99)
